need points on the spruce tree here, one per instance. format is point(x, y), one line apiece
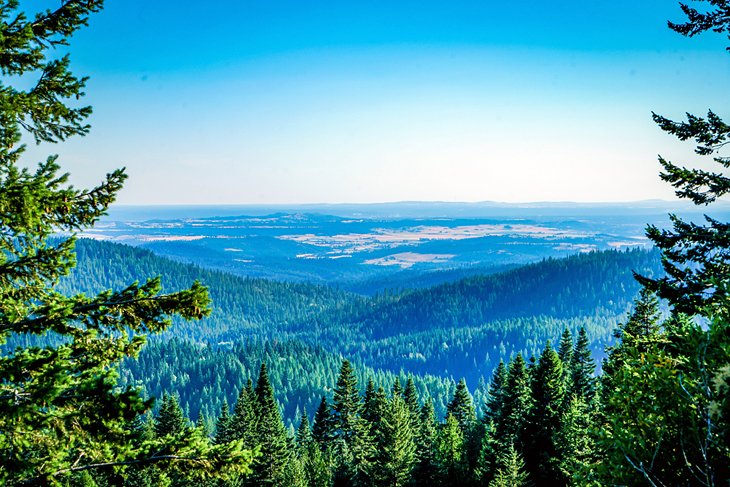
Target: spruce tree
point(449, 454)
point(171, 420)
point(396, 454)
point(545, 419)
point(495, 400)
point(462, 409)
point(516, 403)
point(353, 443)
point(582, 369)
point(243, 422)
point(511, 471)
point(222, 424)
point(60, 408)
point(322, 427)
point(426, 469)
point(304, 432)
point(410, 395)
point(270, 466)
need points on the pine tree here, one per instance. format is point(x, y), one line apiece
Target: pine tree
point(60, 408)
point(565, 349)
point(410, 395)
point(222, 425)
point(304, 432)
point(493, 411)
point(511, 472)
point(425, 470)
point(461, 408)
point(516, 403)
point(582, 369)
point(346, 404)
point(574, 443)
point(322, 427)
point(171, 420)
point(544, 419)
point(565, 352)
point(270, 466)
point(449, 454)
point(396, 453)
point(243, 423)
point(353, 443)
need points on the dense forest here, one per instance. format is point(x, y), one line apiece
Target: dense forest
point(78, 372)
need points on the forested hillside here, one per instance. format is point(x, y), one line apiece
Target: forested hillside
point(456, 330)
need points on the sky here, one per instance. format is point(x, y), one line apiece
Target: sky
point(263, 102)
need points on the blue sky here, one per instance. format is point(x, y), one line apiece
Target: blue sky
point(304, 102)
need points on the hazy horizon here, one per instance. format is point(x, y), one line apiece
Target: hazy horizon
point(281, 103)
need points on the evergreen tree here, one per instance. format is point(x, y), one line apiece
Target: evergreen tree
point(516, 403)
point(565, 352)
point(410, 395)
point(396, 454)
point(511, 471)
point(493, 411)
point(449, 454)
point(565, 349)
point(60, 408)
point(426, 469)
point(346, 404)
point(545, 419)
point(462, 409)
point(322, 427)
point(582, 369)
point(397, 388)
point(171, 420)
point(304, 432)
point(353, 443)
point(222, 425)
point(270, 466)
point(574, 443)
point(243, 422)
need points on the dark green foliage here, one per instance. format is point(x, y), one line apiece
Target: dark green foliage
point(270, 466)
point(461, 408)
point(60, 408)
point(495, 401)
point(511, 471)
point(582, 369)
point(223, 424)
point(396, 453)
point(170, 421)
point(426, 468)
point(322, 428)
point(449, 454)
point(545, 419)
point(304, 432)
point(244, 422)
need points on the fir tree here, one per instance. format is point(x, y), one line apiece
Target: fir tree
point(544, 419)
point(353, 443)
point(582, 369)
point(322, 427)
point(270, 466)
point(495, 400)
point(60, 408)
point(222, 425)
point(171, 420)
point(449, 454)
point(426, 469)
point(511, 471)
point(410, 395)
point(461, 408)
point(396, 454)
point(243, 422)
point(304, 432)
